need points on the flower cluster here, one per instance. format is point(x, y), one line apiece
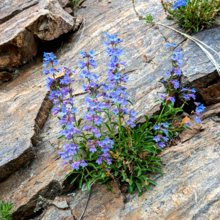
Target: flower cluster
point(118, 95)
point(105, 145)
point(190, 94)
point(100, 98)
point(179, 3)
point(174, 84)
point(161, 129)
point(200, 108)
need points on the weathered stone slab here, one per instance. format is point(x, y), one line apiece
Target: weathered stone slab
point(57, 214)
point(23, 24)
point(23, 112)
point(101, 205)
point(39, 181)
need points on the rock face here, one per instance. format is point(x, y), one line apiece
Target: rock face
point(31, 173)
point(23, 23)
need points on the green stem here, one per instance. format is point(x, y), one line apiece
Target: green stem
point(119, 130)
point(89, 173)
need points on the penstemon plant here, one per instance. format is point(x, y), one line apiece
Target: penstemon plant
point(109, 145)
point(193, 15)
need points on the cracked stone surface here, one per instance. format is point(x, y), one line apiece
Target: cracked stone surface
point(24, 23)
point(30, 169)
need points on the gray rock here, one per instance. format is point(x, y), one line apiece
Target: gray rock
point(24, 113)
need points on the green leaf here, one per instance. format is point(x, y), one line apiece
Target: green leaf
point(61, 137)
point(159, 170)
point(80, 120)
point(92, 165)
point(156, 163)
point(110, 188)
point(131, 180)
point(107, 126)
point(89, 184)
point(151, 181)
point(124, 176)
point(130, 189)
point(139, 188)
point(74, 179)
point(130, 102)
point(71, 173)
point(147, 187)
point(80, 182)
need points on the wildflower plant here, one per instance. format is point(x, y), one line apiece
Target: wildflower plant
point(194, 15)
point(5, 211)
point(106, 144)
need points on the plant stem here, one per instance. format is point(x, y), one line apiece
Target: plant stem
point(89, 173)
point(119, 129)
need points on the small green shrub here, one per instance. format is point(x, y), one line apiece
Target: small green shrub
point(194, 15)
point(5, 213)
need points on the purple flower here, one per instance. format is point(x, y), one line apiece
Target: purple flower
point(184, 89)
point(93, 149)
point(129, 122)
point(81, 64)
point(161, 145)
point(165, 125)
point(99, 160)
point(178, 72)
point(197, 120)
point(163, 97)
point(115, 111)
point(179, 3)
point(170, 45)
point(172, 99)
point(200, 108)
point(167, 45)
point(166, 139)
point(75, 165)
point(193, 90)
point(167, 74)
point(49, 82)
point(186, 97)
point(83, 163)
point(165, 131)
point(156, 139)
point(92, 63)
point(175, 83)
point(192, 96)
point(188, 123)
point(156, 127)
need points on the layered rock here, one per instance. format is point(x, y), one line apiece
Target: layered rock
point(24, 23)
point(147, 61)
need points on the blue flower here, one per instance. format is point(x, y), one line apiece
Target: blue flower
point(156, 127)
point(175, 83)
point(179, 3)
point(75, 165)
point(193, 90)
point(178, 72)
point(165, 125)
point(186, 97)
point(172, 99)
point(83, 163)
point(161, 145)
point(49, 82)
point(156, 139)
point(197, 120)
